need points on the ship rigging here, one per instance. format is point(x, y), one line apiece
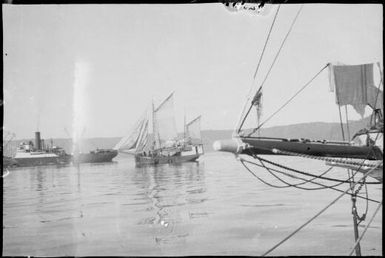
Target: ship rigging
point(360, 155)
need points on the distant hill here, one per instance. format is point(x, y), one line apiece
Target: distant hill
point(314, 130)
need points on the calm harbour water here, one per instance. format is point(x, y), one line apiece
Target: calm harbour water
point(214, 207)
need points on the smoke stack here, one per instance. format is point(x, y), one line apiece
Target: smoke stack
point(37, 141)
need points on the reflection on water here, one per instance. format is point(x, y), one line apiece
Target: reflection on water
point(211, 207)
point(170, 190)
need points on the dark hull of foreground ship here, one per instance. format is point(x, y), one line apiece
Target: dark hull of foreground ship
point(96, 157)
point(266, 146)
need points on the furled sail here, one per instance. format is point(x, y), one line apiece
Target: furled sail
point(164, 122)
point(354, 85)
point(193, 131)
point(130, 142)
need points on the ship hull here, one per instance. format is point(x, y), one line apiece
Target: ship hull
point(95, 157)
point(142, 160)
point(8, 162)
point(266, 146)
point(36, 161)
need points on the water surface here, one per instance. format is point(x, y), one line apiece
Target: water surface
point(211, 207)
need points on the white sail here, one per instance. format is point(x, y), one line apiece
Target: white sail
point(130, 142)
point(193, 131)
point(164, 122)
point(144, 140)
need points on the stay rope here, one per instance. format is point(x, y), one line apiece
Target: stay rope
point(288, 101)
point(319, 213)
point(274, 60)
point(256, 70)
point(365, 229)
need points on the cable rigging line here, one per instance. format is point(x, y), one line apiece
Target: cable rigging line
point(256, 70)
point(332, 187)
point(271, 66)
point(267, 40)
point(365, 229)
point(319, 213)
point(283, 42)
point(288, 101)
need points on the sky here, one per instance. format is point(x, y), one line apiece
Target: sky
point(104, 64)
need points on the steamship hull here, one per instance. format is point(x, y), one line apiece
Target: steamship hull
point(36, 161)
point(97, 157)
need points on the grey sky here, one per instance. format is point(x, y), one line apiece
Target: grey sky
point(203, 52)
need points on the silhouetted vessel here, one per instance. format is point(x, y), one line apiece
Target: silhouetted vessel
point(162, 145)
point(96, 156)
point(29, 154)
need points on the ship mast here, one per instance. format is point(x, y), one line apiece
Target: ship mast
point(184, 128)
point(153, 125)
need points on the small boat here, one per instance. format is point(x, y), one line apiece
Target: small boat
point(163, 145)
point(95, 156)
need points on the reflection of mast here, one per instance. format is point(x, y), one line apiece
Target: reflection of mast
point(154, 184)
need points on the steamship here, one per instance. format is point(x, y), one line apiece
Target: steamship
point(29, 154)
point(95, 156)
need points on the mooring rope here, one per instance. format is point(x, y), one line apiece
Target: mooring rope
point(318, 214)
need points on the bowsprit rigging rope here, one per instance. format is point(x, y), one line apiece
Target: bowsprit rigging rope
point(309, 174)
point(354, 194)
point(319, 213)
point(332, 187)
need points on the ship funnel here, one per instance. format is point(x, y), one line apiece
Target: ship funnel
point(37, 141)
point(229, 145)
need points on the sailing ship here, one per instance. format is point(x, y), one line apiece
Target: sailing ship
point(162, 145)
point(353, 85)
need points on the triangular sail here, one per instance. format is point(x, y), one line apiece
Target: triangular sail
point(130, 142)
point(143, 143)
point(193, 131)
point(164, 122)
